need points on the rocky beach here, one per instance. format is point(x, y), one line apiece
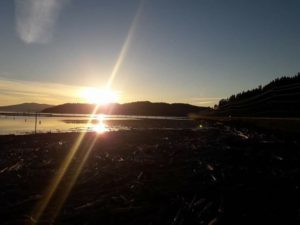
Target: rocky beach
point(215, 175)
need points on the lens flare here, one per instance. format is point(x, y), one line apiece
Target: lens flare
point(90, 95)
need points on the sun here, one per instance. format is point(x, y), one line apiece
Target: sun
point(99, 96)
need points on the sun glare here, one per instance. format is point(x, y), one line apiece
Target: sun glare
point(99, 96)
point(100, 127)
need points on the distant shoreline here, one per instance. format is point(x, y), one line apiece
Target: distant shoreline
point(87, 115)
point(282, 124)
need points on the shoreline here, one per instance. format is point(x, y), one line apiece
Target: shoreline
point(288, 125)
point(153, 176)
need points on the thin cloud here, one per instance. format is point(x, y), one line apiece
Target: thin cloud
point(205, 101)
point(15, 91)
point(35, 19)
point(206, 98)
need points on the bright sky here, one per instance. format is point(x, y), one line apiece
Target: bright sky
point(193, 51)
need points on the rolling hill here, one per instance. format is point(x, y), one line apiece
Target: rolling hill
point(144, 108)
point(25, 107)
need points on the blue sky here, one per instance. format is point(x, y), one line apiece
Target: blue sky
point(173, 50)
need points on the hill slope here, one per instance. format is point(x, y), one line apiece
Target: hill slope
point(134, 108)
point(25, 107)
point(279, 98)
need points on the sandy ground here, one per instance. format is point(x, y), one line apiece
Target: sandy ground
point(210, 176)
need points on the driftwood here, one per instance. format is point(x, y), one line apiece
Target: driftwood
point(210, 176)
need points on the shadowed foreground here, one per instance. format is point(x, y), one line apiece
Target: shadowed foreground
point(211, 176)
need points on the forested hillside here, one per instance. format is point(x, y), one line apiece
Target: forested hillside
point(279, 98)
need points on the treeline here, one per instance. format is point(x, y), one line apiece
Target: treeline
point(280, 97)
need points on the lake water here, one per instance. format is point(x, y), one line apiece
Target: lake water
point(23, 124)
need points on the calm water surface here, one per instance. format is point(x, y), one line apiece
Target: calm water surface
point(23, 124)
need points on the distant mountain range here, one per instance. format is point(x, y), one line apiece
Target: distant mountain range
point(144, 108)
point(25, 107)
point(279, 98)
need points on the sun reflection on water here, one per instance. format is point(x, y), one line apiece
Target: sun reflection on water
point(100, 127)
